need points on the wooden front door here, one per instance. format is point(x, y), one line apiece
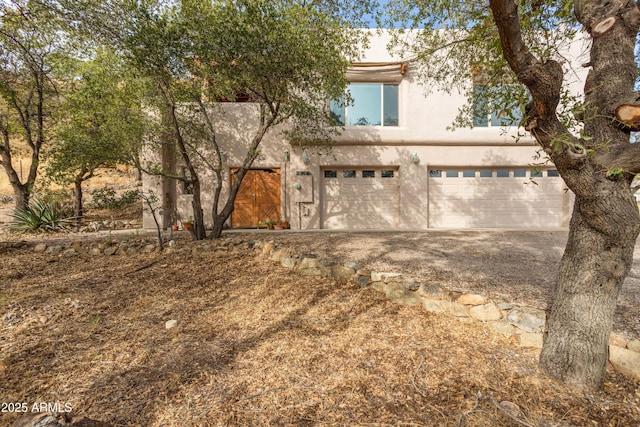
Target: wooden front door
point(258, 198)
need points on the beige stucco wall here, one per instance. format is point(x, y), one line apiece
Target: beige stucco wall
point(424, 119)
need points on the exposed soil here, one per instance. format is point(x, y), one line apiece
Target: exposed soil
point(256, 344)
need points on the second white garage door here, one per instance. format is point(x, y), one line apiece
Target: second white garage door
point(360, 198)
point(513, 197)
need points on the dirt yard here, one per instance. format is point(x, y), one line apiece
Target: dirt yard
point(256, 344)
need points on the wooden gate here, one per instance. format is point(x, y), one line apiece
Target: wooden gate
point(258, 198)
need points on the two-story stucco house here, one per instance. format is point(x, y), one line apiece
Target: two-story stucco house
point(395, 165)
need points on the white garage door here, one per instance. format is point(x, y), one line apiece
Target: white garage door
point(497, 198)
point(360, 198)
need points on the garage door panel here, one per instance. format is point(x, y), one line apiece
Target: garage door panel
point(496, 201)
point(359, 202)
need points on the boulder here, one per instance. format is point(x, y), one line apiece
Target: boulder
point(397, 293)
point(309, 263)
point(278, 254)
point(527, 319)
point(634, 345)
point(267, 248)
point(149, 248)
point(625, 361)
point(288, 262)
point(342, 271)
point(69, 252)
point(42, 420)
point(386, 277)
point(532, 340)
point(503, 328)
point(471, 299)
point(411, 284)
point(54, 249)
point(363, 272)
point(485, 312)
point(617, 340)
point(111, 250)
point(433, 291)
point(441, 306)
point(313, 267)
point(353, 265)
point(361, 280)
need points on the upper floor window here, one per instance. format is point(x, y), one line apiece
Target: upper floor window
point(371, 104)
point(492, 106)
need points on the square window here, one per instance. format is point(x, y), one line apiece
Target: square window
point(536, 173)
point(496, 105)
point(387, 173)
point(468, 173)
point(435, 173)
point(553, 173)
point(349, 173)
point(486, 173)
point(372, 104)
point(519, 173)
point(502, 173)
point(368, 174)
point(452, 173)
point(330, 174)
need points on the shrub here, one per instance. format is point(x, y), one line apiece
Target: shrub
point(105, 198)
point(45, 214)
point(129, 198)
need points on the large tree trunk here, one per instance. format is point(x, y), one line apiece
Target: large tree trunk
point(20, 191)
point(599, 168)
point(22, 197)
point(596, 260)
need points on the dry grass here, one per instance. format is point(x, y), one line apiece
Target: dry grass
point(257, 344)
point(106, 177)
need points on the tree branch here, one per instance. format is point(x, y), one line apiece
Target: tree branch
point(544, 81)
point(626, 158)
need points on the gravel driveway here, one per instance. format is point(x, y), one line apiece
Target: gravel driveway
point(514, 266)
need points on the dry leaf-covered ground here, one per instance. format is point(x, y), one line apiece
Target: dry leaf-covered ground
point(256, 344)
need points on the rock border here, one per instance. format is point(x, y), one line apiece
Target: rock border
point(507, 319)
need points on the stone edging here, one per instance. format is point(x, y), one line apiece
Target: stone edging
point(508, 319)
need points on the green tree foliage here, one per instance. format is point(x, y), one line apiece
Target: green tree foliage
point(101, 122)
point(586, 139)
point(288, 57)
point(32, 51)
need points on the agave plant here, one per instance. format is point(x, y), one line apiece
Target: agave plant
point(42, 214)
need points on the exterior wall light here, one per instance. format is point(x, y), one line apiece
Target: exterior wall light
point(287, 156)
point(414, 158)
point(297, 187)
point(305, 157)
